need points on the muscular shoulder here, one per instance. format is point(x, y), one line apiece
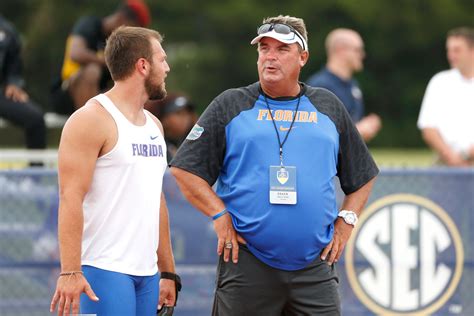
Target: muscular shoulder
point(91, 121)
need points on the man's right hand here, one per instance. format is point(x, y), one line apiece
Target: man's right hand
point(68, 291)
point(369, 126)
point(16, 93)
point(454, 159)
point(226, 233)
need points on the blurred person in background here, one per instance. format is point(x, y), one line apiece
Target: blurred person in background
point(345, 56)
point(277, 241)
point(447, 111)
point(83, 72)
point(177, 114)
point(15, 104)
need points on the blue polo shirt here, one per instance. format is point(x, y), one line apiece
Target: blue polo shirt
point(235, 143)
point(347, 91)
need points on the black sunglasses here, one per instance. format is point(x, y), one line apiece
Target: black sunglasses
point(280, 28)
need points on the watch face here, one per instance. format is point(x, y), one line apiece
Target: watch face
point(350, 218)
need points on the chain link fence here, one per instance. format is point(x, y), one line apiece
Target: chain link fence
point(28, 243)
point(29, 257)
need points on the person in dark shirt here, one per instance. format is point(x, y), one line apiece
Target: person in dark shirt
point(83, 72)
point(15, 104)
point(345, 53)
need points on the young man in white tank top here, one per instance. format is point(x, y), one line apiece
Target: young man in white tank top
point(113, 226)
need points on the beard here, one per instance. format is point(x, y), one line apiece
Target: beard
point(154, 91)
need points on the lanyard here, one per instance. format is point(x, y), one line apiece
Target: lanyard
point(280, 143)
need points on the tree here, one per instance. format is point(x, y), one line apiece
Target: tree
point(209, 51)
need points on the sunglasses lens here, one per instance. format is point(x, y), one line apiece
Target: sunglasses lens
point(282, 28)
point(279, 28)
point(264, 28)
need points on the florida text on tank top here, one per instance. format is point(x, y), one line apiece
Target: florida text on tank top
point(121, 209)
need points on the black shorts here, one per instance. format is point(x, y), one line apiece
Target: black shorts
point(251, 287)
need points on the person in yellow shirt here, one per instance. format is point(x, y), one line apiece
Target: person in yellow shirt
point(83, 72)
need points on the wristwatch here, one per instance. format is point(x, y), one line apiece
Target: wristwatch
point(349, 217)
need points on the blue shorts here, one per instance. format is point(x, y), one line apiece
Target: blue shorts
point(120, 294)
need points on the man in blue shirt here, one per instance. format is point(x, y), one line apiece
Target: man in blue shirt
point(274, 148)
point(345, 53)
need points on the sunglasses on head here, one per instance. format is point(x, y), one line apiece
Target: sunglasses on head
point(281, 29)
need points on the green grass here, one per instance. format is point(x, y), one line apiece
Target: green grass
point(403, 157)
point(385, 157)
point(12, 137)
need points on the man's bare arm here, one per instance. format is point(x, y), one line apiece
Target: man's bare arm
point(81, 54)
point(166, 258)
point(369, 126)
point(165, 250)
point(342, 231)
point(200, 194)
point(434, 139)
point(81, 142)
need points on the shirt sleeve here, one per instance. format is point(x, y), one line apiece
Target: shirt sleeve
point(202, 153)
point(355, 165)
point(86, 28)
point(13, 64)
point(431, 105)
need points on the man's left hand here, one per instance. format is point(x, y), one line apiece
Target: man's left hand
point(16, 93)
point(167, 293)
point(342, 232)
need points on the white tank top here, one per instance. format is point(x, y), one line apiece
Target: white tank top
point(122, 207)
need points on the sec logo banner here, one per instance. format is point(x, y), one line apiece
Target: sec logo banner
point(405, 256)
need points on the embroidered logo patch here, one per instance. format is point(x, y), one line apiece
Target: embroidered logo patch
point(195, 133)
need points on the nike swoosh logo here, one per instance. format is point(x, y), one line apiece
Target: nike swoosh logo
point(284, 129)
point(153, 138)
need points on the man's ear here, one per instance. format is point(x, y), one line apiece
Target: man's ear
point(304, 56)
point(142, 66)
